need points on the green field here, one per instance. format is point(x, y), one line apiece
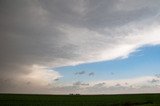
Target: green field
point(80, 100)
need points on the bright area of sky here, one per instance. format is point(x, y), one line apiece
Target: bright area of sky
point(144, 62)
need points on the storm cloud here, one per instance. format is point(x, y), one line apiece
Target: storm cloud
point(39, 35)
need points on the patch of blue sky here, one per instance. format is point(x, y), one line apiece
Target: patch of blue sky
point(144, 62)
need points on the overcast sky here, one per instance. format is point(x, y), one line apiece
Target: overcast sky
point(68, 46)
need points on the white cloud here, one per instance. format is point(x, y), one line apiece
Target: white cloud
point(36, 79)
point(93, 46)
point(41, 75)
point(119, 86)
point(136, 82)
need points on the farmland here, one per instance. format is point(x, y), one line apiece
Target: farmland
point(79, 100)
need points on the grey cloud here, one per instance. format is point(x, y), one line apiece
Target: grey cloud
point(126, 83)
point(85, 84)
point(79, 83)
point(91, 74)
point(112, 73)
point(80, 73)
point(66, 90)
point(154, 81)
point(118, 84)
point(117, 12)
point(157, 75)
point(100, 84)
point(103, 90)
point(57, 79)
point(119, 87)
point(28, 83)
point(100, 88)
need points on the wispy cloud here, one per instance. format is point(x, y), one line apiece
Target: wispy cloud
point(112, 73)
point(80, 73)
point(91, 74)
point(154, 81)
point(157, 75)
point(79, 83)
point(99, 84)
point(57, 79)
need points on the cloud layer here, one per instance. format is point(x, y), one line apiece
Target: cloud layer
point(145, 84)
point(59, 33)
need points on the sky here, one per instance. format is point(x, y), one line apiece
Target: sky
point(79, 46)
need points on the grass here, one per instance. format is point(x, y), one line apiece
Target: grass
point(80, 100)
